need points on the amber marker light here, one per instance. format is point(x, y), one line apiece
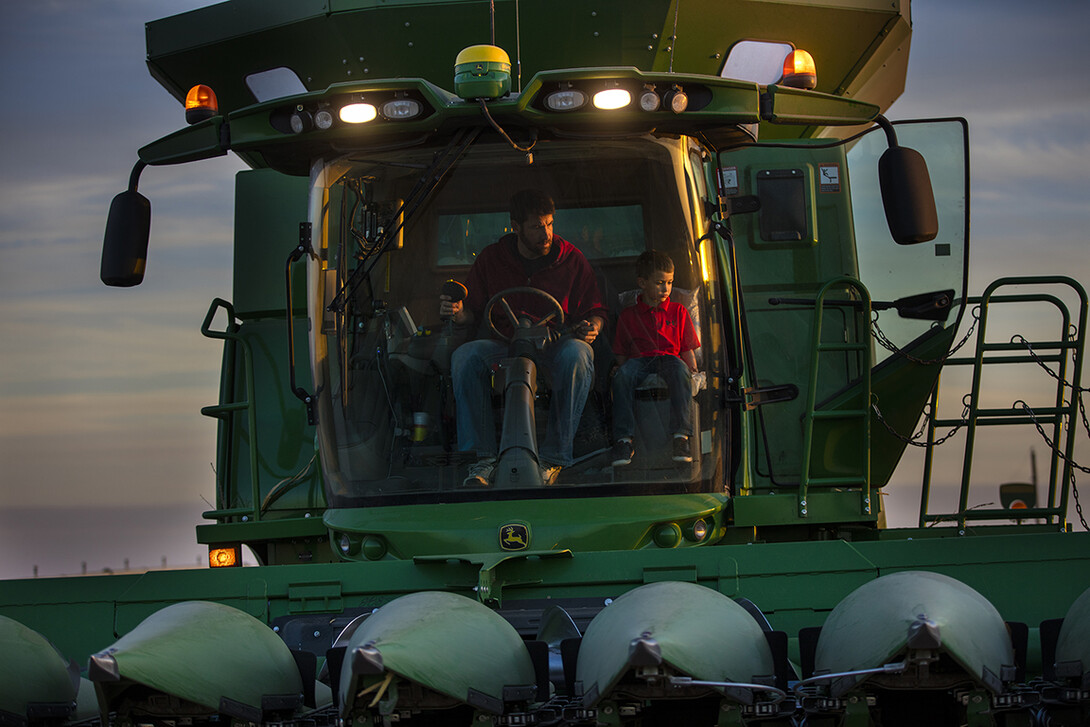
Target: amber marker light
point(224, 557)
point(200, 104)
point(799, 70)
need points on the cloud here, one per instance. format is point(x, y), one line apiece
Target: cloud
point(61, 345)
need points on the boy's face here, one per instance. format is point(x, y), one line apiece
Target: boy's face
point(657, 288)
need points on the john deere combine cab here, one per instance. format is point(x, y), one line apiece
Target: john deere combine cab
point(821, 252)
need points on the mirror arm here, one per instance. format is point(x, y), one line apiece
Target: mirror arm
point(134, 176)
point(891, 134)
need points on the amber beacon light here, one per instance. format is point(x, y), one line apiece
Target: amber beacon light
point(200, 104)
point(799, 70)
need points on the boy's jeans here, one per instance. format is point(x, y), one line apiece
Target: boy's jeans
point(674, 372)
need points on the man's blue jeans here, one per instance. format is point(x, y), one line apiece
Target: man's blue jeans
point(569, 368)
point(678, 379)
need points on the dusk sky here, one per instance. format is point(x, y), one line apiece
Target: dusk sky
point(104, 454)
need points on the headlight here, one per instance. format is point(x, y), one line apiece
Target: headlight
point(567, 100)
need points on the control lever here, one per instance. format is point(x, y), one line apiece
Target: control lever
point(444, 347)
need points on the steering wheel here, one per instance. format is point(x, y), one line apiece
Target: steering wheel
point(498, 299)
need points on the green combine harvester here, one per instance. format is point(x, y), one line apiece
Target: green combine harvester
point(821, 252)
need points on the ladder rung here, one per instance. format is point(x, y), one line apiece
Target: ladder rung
point(840, 414)
point(838, 481)
point(220, 409)
point(843, 347)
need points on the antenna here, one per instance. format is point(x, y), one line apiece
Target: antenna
point(518, 48)
point(518, 39)
point(673, 38)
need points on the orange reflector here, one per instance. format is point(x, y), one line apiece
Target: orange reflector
point(1019, 505)
point(224, 557)
point(799, 70)
point(200, 104)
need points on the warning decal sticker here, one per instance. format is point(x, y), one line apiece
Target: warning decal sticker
point(829, 177)
point(728, 181)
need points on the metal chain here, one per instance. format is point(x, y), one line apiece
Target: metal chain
point(889, 345)
point(1040, 430)
point(1078, 505)
point(1082, 412)
point(1016, 338)
point(927, 415)
point(1077, 392)
point(1074, 465)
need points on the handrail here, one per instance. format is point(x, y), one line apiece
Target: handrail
point(224, 409)
point(1064, 351)
point(300, 250)
point(817, 347)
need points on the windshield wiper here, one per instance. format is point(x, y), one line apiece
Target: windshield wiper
point(443, 163)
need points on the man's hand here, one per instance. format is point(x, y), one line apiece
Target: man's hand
point(454, 309)
point(588, 329)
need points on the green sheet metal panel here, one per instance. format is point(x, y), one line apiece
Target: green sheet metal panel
point(773, 267)
point(203, 652)
point(268, 210)
point(999, 566)
point(586, 524)
point(448, 643)
point(795, 584)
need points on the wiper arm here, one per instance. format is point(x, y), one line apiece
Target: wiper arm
point(444, 162)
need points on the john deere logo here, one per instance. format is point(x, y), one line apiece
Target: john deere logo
point(514, 536)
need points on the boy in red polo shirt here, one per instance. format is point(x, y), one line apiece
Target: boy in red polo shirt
point(656, 335)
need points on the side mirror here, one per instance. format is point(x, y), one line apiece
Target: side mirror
point(907, 196)
point(125, 245)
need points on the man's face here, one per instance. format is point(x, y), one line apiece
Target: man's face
point(535, 236)
point(656, 288)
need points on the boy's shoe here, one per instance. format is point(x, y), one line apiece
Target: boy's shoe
point(682, 453)
point(622, 452)
point(549, 473)
point(480, 474)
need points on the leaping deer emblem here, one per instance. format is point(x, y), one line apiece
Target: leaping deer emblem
point(514, 537)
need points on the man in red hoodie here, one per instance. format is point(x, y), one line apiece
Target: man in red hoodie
point(531, 256)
